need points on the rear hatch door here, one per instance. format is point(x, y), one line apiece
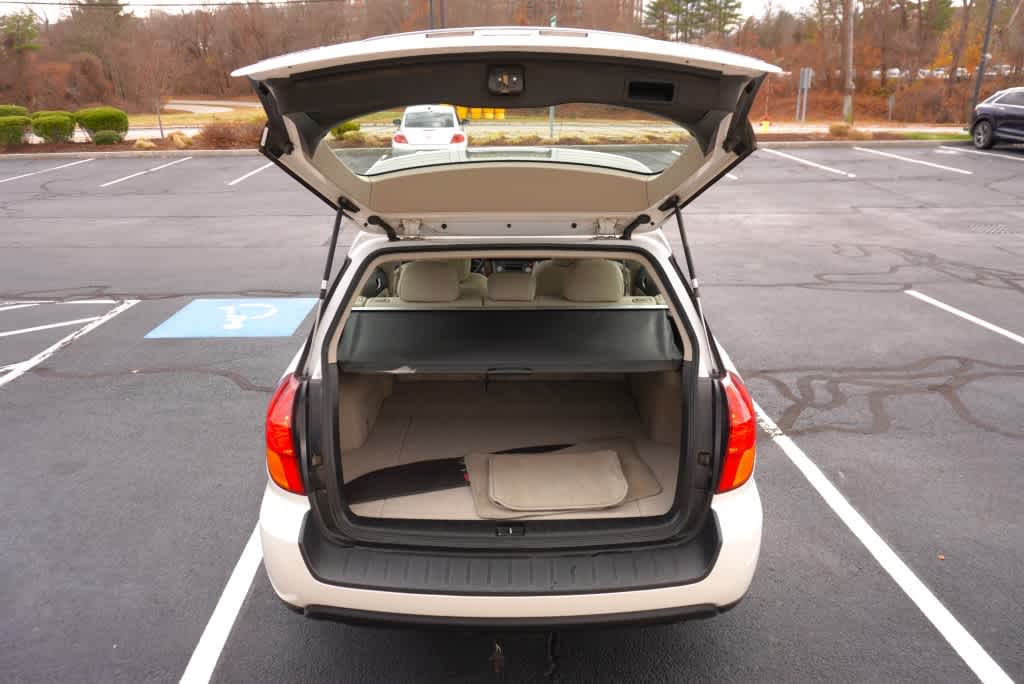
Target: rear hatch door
point(611, 175)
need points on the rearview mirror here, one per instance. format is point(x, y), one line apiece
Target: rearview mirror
point(397, 122)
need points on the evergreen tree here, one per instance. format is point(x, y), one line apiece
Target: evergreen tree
point(658, 18)
point(721, 16)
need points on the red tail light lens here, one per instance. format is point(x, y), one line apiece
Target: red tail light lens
point(400, 138)
point(741, 448)
point(282, 461)
point(458, 137)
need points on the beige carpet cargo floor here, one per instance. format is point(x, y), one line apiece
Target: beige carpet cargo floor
point(424, 420)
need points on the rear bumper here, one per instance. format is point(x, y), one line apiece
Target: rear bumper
point(738, 514)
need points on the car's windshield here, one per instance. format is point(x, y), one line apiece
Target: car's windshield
point(428, 120)
point(582, 134)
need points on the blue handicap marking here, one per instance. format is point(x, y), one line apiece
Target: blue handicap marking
point(270, 317)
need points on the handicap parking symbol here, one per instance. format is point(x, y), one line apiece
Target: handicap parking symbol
point(272, 317)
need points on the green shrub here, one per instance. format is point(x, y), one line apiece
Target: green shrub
point(13, 129)
point(343, 128)
point(102, 119)
point(45, 112)
point(54, 128)
point(107, 137)
point(13, 110)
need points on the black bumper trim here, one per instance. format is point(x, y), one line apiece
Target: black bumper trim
point(512, 573)
point(661, 616)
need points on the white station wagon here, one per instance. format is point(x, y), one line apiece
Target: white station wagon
point(511, 411)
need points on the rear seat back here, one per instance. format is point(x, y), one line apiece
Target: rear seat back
point(511, 288)
point(550, 276)
point(594, 280)
point(588, 283)
point(595, 283)
point(426, 284)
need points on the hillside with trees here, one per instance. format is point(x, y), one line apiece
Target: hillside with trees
point(923, 52)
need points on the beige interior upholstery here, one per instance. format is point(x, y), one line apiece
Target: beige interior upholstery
point(543, 483)
point(641, 482)
point(463, 267)
point(428, 284)
point(554, 283)
point(475, 285)
point(659, 399)
point(594, 280)
point(628, 302)
point(470, 283)
point(425, 417)
point(360, 398)
point(511, 286)
point(550, 276)
point(429, 281)
point(466, 301)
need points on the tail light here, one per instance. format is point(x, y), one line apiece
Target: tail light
point(282, 461)
point(741, 448)
point(400, 138)
point(458, 137)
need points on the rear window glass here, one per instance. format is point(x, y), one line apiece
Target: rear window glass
point(602, 136)
point(429, 120)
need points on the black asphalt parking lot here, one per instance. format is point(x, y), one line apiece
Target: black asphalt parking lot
point(134, 466)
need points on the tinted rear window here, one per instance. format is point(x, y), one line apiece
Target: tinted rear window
point(428, 120)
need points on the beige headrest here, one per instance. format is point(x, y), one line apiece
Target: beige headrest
point(594, 280)
point(429, 281)
point(462, 267)
point(511, 286)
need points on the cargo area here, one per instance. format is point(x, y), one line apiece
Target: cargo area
point(605, 419)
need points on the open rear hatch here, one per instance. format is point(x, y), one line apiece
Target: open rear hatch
point(645, 403)
point(545, 188)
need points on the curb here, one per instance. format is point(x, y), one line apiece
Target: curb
point(133, 153)
point(255, 153)
point(858, 143)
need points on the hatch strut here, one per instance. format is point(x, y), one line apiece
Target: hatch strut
point(325, 281)
point(673, 203)
point(694, 284)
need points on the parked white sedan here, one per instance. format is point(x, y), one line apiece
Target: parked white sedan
point(428, 127)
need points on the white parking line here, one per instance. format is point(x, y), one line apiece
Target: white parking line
point(983, 154)
point(913, 161)
point(55, 168)
point(9, 306)
point(90, 301)
point(211, 643)
point(808, 163)
point(12, 307)
point(62, 324)
point(972, 653)
point(16, 370)
point(143, 173)
point(966, 316)
point(732, 176)
point(204, 658)
point(251, 173)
